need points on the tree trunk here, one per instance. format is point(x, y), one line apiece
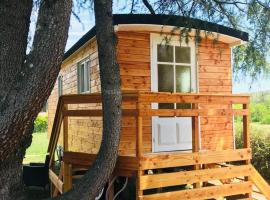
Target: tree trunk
point(26, 81)
point(99, 173)
point(11, 185)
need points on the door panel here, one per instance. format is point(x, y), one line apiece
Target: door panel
point(172, 133)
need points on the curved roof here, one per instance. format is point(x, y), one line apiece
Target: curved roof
point(168, 20)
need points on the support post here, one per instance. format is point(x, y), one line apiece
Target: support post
point(60, 177)
point(67, 177)
point(139, 151)
point(246, 140)
point(195, 140)
point(65, 130)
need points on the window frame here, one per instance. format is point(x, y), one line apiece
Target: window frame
point(157, 39)
point(60, 85)
point(86, 76)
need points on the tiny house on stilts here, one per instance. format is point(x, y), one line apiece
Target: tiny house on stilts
point(177, 125)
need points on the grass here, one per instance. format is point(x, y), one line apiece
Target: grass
point(37, 151)
point(255, 128)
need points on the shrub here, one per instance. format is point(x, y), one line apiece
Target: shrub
point(41, 123)
point(266, 119)
point(260, 144)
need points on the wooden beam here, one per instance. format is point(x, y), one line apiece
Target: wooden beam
point(204, 193)
point(195, 140)
point(65, 130)
point(192, 112)
point(60, 176)
point(67, 177)
point(95, 113)
point(165, 97)
point(56, 181)
point(190, 177)
point(164, 160)
point(95, 98)
point(85, 160)
point(259, 181)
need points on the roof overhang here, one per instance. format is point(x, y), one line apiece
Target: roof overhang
point(164, 30)
point(165, 24)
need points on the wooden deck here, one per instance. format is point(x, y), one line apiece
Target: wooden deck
point(196, 168)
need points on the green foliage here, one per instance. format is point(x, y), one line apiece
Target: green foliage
point(266, 119)
point(260, 143)
point(41, 123)
point(260, 108)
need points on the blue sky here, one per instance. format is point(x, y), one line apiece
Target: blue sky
point(78, 29)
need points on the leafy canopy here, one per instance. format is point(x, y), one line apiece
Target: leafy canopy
point(252, 16)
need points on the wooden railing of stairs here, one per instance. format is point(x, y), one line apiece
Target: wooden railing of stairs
point(260, 183)
point(63, 182)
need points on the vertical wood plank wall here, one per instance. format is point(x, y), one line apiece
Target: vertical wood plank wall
point(214, 76)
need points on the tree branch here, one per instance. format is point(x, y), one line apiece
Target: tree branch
point(149, 7)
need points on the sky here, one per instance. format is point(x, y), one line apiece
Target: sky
point(87, 21)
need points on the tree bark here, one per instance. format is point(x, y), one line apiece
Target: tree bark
point(26, 80)
point(99, 173)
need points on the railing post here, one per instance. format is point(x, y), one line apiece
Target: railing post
point(246, 135)
point(139, 151)
point(65, 130)
point(246, 139)
point(195, 139)
point(67, 177)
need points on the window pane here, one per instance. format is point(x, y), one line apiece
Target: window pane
point(165, 53)
point(166, 106)
point(60, 86)
point(183, 106)
point(165, 83)
point(182, 54)
point(86, 73)
point(165, 78)
point(183, 78)
point(82, 77)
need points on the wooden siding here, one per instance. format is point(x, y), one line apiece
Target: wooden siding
point(134, 60)
point(214, 76)
point(84, 133)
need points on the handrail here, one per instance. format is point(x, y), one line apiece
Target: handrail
point(137, 104)
point(146, 98)
point(260, 183)
point(55, 130)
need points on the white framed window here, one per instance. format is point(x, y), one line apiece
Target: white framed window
point(173, 67)
point(83, 76)
point(60, 85)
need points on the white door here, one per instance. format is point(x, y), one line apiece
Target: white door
point(172, 70)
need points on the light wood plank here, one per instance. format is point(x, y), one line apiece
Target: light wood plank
point(56, 181)
point(163, 160)
point(260, 183)
point(189, 177)
point(204, 193)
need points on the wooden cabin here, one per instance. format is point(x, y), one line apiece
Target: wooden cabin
point(177, 110)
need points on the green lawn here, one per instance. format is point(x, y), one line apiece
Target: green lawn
point(255, 128)
point(37, 151)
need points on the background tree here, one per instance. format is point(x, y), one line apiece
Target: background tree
point(252, 16)
point(26, 80)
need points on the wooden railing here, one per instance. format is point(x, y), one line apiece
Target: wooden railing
point(140, 110)
point(62, 182)
point(260, 183)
